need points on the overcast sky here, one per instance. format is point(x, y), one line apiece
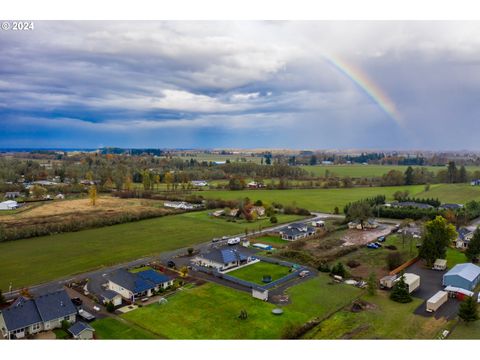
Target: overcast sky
point(240, 84)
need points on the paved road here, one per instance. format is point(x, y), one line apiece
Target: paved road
point(163, 257)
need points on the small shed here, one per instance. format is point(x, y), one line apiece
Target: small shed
point(387, 281)
point(81, 331)
point(440, 264)
point(260, 294)
point(465, 276)
point(262, 246)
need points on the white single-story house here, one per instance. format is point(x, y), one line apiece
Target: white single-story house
point(259, 210)
point(222, 259)
point(8, 205)
point(111, 296)
point(296, 231)
point(81, 331)
point(30, 316)
point(132, 286)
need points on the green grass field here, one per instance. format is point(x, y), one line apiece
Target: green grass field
point(386, 320)
point(255, 272)
point(312, 199)
point(368, 171)
point(36, 260)
point(211, 311)
point(326, 199)
point(466, 331)
point(110, 328)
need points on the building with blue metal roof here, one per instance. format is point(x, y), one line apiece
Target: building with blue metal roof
point(30, 316)
point(465, 276)
point(132, 286)
point(222, 258)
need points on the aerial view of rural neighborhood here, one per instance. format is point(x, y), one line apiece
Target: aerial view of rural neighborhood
point(239, 180)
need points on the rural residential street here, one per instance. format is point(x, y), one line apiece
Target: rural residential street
point(162, 257)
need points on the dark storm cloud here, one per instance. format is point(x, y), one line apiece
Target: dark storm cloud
point(251, 84)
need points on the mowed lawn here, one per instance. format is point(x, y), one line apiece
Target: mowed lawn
point(110, 328)
point(36, 260)
point(326, 200)
point(368, 171)
point(254, 273)
point(385, 319)
point(211, 311)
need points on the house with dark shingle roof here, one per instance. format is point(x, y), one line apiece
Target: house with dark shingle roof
point(81, 331)
point(222, 259)
point(132, 286)
point(30, 316)
point(296, 231)
point(464, 237)
point(450, 207)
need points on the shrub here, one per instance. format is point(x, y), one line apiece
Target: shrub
point(190, 251)
point(323, 267)
point(339, 270)
point(394, 260)
point(273, 220)
point(110, 307)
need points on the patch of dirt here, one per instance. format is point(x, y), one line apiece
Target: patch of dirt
point(362, 237)
point(280, 299)
point(360, 305)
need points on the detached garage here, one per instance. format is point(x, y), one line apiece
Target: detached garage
point(465, 276)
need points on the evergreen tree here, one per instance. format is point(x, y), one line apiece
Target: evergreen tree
point(473, 249)
point(339, 270)
point(452, 172)
point(468, 310)
point(400, 291)
point(462, 175)
point(409, 176)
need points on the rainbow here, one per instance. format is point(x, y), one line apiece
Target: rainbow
point(366, 84)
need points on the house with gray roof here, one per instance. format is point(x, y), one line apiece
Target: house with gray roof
point(464, 237)
point(296, 231)
point(81, 331)
point(132, 286)
point(222, 259)
point(30, 316)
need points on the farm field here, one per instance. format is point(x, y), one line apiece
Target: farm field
point(367, 171)
point(254, 273)
point(211, 311)
point(220, 157)
point(110, 328)
point(35, 260)
point(325, 200)
point(383, 319)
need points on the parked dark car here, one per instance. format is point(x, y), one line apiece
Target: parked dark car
point(378, 244)
point(372, 246)
point(170, 264)
point(77, 301)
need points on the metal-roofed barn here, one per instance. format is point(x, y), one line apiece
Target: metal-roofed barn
point(465, 276)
